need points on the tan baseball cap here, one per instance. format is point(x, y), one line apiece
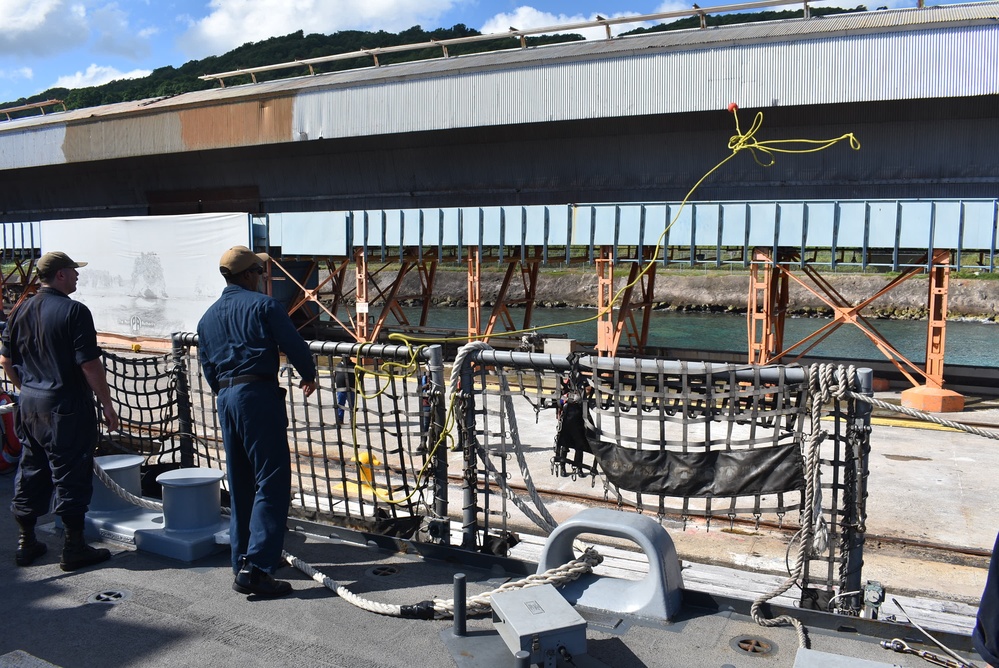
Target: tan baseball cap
point(53, 261)
point(240, 258)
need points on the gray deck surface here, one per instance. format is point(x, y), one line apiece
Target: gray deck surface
point(176, 614)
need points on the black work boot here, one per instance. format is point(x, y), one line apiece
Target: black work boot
point(77, 554)
point(28, 547)
point(252, 580)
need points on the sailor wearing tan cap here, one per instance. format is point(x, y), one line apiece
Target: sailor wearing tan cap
point(240, 339)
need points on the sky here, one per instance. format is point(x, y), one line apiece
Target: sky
point(78, 43)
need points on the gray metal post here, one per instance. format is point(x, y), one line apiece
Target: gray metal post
point(469, 497)
point(459, 605)
point(435, 355)
point(861, 462)
point(522, 659)
point(185, 423)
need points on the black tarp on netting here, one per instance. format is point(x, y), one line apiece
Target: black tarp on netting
point(679, 430)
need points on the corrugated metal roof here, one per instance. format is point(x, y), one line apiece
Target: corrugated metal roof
point(868, 56)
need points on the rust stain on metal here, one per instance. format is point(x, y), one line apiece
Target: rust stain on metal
point(103, 139)
point(239, 124)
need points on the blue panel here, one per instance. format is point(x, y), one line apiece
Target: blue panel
point(314, 234)
point(431, 227)
point(450, 236)
point(706, 224)
point(883, 221)
point(411, 232)
point(582, 226)
point(535, 234)
point(364, 220)
point(605, 225)
point(470, 227)
point(275, 225)
point(513, 225)
point(762, 219)
point(979, 224)
point(393, 230)
point(680, 225)
point(734, 222)
point(630, 225)
point(821, 219)
point(491, 224)
point(20, 236)
point(558, 225)
point(655, 223)
point(915, 231)
point(852, 221)
point(947, 225)
point(792, 224)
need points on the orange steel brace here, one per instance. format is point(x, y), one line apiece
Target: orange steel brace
point(937, 326)
point(391, 298)
point(605, 297)
point(529, 278)
point(307, 296)
point(636, 332)
point(768, 295)
point(474, 292)
point(845, 314)
point(363, 330)
point(27, 278)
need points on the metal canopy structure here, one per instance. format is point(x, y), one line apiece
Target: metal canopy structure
point(779, 241)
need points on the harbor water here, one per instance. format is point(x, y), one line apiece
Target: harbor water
point(970, 343)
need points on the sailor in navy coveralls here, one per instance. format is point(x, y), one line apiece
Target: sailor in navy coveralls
point(239, 341)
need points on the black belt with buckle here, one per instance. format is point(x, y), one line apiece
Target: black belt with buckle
point(244, 379)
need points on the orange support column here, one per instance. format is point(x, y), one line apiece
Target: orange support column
point(932, 396)
point(361, 297)
point(474, 292)
point(605, 302)
point(768, 297)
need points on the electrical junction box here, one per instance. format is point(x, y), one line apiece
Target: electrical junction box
point(540, 621)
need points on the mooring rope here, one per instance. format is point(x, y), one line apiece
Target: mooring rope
point(435, 609)
point(912, 412)
point(825, 382)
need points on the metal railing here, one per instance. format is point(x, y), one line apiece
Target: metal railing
point(685, 442)
point(519, 34)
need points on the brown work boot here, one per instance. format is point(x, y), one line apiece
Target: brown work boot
point(77, 554)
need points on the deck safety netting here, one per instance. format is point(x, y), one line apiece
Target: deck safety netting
point(714, 444)
point(368, 470)
point(144, 394)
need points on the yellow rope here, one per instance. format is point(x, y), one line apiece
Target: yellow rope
point(737, 143)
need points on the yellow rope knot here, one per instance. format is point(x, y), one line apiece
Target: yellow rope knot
point(747, 141)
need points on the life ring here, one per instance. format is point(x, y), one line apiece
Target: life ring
point(10, 454)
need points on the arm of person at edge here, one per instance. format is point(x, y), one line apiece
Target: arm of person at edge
point(94, 372)
point(293, 346)
point(985, 636)
point(8, 367)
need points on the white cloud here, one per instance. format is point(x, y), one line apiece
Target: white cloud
point(96, 75)
point(232, 23)
point(17, 74)
point(40, 27)
point(525, 18)
point(115, 36)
